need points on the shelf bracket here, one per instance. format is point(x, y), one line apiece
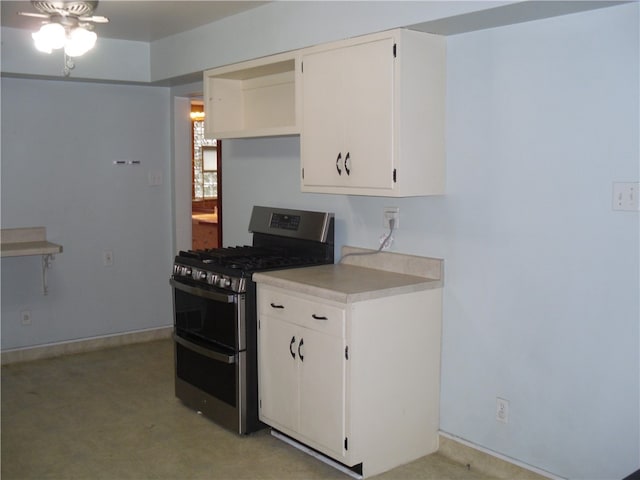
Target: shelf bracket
point(47, 258)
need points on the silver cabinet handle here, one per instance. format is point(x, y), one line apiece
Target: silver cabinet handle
point(212, 354)
point(201, 292)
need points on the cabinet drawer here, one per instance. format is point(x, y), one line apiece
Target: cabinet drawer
point(317, 316)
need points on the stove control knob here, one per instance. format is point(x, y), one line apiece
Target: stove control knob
point(198, 274)
point(211, 278)
point(224, 282)
point(185, 271)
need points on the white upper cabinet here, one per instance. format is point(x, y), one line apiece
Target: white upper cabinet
point(256, 98)
point(370, 111)
point(373, 113)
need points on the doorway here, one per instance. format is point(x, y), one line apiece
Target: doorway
point(206, 191)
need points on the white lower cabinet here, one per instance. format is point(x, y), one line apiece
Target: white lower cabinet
point(303, 382)
point(302, 368)
point(358, 382)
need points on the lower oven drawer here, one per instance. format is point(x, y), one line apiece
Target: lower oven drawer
point(214, 372)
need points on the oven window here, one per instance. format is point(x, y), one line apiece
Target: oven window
point(205, 321)
point(215, 378)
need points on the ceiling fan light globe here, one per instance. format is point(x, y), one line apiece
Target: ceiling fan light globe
point(79, 41)
point(40, 44)
point(51, 36)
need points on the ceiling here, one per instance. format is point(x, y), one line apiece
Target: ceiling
point(150, 20)
point(145, 20)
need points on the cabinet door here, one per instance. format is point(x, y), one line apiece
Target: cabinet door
point(322, 119)
point(347, 116)
point(322, 389)
point(369, 72)
point(278, 372)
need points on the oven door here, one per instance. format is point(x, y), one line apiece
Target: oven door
point(209, 317)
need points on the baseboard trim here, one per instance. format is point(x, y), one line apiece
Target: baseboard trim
point(50, 350)
point(489, 462)
point(310, 451)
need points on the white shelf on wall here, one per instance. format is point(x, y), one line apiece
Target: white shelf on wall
point(20, 242)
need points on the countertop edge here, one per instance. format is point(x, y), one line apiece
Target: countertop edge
point(342, 297)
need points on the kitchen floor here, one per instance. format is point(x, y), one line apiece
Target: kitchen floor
point(112, 414)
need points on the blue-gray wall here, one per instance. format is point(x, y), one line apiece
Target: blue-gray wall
point(541, 299)
point(59, 141)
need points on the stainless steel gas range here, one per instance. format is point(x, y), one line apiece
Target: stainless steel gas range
point(214, 300)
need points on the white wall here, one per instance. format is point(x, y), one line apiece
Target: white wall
point(541, 298)
point(282, 26)
point(543, 282)
point(59, 140)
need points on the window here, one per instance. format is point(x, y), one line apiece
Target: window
point(210, 171)
point(205, 152)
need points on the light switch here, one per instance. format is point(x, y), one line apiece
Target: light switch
point(626, 196)
point(155, 177)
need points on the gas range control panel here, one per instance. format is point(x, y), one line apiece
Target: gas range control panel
point(235, 284)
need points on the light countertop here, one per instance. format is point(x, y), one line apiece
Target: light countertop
point(17, 242)
point(204, 217)
point(350, 281)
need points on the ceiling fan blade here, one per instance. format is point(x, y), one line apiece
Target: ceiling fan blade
point(94, 19)
point(35, 15)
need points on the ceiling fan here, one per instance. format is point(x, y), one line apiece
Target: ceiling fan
point(74, 11)
point(68, 25)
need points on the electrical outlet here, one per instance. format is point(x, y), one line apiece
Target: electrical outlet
point(107, 258)
point(25, 317)
point(502, 410)
point(389, 213)
point(385, 241)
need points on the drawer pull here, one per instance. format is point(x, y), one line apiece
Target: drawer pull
point(275, 305)
point(318, 317)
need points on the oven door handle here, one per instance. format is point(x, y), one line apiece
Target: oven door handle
point(199, 292)
point(212, 354)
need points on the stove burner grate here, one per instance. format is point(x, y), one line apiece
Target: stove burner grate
point(248, 258)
